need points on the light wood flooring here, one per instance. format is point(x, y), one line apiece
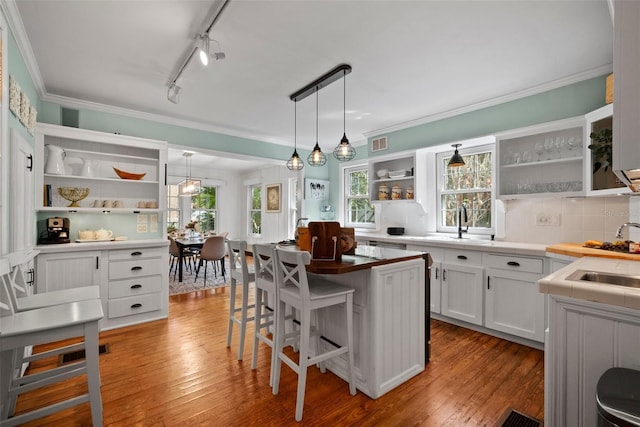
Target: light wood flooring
point(179, 372)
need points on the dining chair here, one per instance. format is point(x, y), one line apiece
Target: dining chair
point(296, 289)
point(47, 325)
point(188, 257)
point(212, 250)
point(244, 274)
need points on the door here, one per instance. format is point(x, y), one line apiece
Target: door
point(21, 193)
point(462, 292)
point(57, 271)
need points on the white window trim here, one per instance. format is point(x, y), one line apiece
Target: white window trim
point(491, 147)
point(343, 170)
point(249, 192)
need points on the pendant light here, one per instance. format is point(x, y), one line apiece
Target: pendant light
point(344, 151)
point(295, 162)
point(317, 157)
point(189, 186)
point(456, 160)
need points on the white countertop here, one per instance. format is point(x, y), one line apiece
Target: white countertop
point(89, 246)
point(473, 243)
point(556, 283)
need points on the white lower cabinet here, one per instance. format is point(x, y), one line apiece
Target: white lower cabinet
point(66, 270)
point(462, 283)
point(585, 339)
point(133, 281)
point(435, 279)
point(512, 301)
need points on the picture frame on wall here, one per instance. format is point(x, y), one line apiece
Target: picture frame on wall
point(316, 189)
point(274, 199)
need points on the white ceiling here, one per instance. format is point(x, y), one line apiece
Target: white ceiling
point(412, 60)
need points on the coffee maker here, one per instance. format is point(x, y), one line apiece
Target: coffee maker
point(57, 231)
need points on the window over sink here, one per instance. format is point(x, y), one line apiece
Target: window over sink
point(470, 185)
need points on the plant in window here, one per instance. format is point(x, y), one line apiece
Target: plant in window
point(601, 149)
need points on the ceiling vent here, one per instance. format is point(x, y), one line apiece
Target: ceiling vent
point(379, 144)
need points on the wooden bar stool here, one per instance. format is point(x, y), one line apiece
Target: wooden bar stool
point(307, 296)
point(41, 326)
point(242, 273)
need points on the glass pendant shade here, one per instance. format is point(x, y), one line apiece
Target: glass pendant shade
point(456, 160)
point(295, 162)
point(317, 157)
point(189, 186)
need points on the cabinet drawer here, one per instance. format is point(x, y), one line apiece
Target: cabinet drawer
point(506, 262)
point(133, 305)
point(463, 256)
point(137, 253)
point(137, 268)
point(134, 286)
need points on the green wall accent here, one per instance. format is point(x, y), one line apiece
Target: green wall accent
point(569, 101)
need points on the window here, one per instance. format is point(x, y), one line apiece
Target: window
point(173, 208)
point(255, 210)
point(470, 185)
point(295, 205)
point(358, 210)
point(204, 209)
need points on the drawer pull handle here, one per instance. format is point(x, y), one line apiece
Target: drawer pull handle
point(136, 286)
point(137, 305)
point(437, 273)
point(513, 263)
point(136, 253)
point(137, 267)
point(444, 275)
point(462, 257)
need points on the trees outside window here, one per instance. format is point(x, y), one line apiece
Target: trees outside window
point(255, 210)
point(358, 210)
point(204, 209)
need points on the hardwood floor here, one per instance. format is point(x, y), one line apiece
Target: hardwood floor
point(179, 372)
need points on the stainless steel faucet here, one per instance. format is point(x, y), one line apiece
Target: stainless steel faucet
point(462, 210)
point(626, 224)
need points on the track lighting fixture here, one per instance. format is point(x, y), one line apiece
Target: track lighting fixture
point(173, 93)
point(344, 151)
point(456, 160)
point(295, 162)
point(203, 53)
point(317, 157)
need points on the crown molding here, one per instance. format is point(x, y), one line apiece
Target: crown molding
point(10, 9)
point(575, 78)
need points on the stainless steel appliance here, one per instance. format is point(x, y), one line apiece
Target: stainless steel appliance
point(57, 231)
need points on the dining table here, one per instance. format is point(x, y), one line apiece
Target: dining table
point(187, 243)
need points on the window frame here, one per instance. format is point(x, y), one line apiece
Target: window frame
point(170, 209)
point(195, 212)
point(346, 196)
point(440, 179)
point(251, 209)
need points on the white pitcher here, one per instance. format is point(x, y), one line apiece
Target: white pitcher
point(88, 167)
point(55, 160)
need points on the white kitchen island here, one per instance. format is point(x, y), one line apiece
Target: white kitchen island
point(391, 325)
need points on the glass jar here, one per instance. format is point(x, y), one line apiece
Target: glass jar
point(409, 194)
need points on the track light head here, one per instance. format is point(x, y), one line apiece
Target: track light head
point(173, 93)
point(204, 49)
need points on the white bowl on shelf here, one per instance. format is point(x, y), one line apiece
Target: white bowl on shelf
point(397, 174)
point(382, 173)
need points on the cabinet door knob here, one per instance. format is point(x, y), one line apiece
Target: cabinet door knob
point(137, 305)
point(137, 267)
point(136, 286)
point(513, 263)
point(136, 253)
point(462, 257)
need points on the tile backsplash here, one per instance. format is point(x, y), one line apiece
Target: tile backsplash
point(569, 220)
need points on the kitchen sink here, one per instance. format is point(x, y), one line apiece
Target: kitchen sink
point(601, 277)
point(464, 240)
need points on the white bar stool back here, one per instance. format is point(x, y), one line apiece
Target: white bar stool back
point(295, 289)
point(240, 272)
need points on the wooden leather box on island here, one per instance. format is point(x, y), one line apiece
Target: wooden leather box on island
point(331, 240)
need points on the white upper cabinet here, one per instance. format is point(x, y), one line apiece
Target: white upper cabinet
point(71, 157)
point(600, 182)
point(21, 189)
point(542, 160)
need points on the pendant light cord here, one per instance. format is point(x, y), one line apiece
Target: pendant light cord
point(317, 90)
point(295, 126)
point(344, 102)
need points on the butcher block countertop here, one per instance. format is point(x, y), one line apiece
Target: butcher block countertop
point(578, 251)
